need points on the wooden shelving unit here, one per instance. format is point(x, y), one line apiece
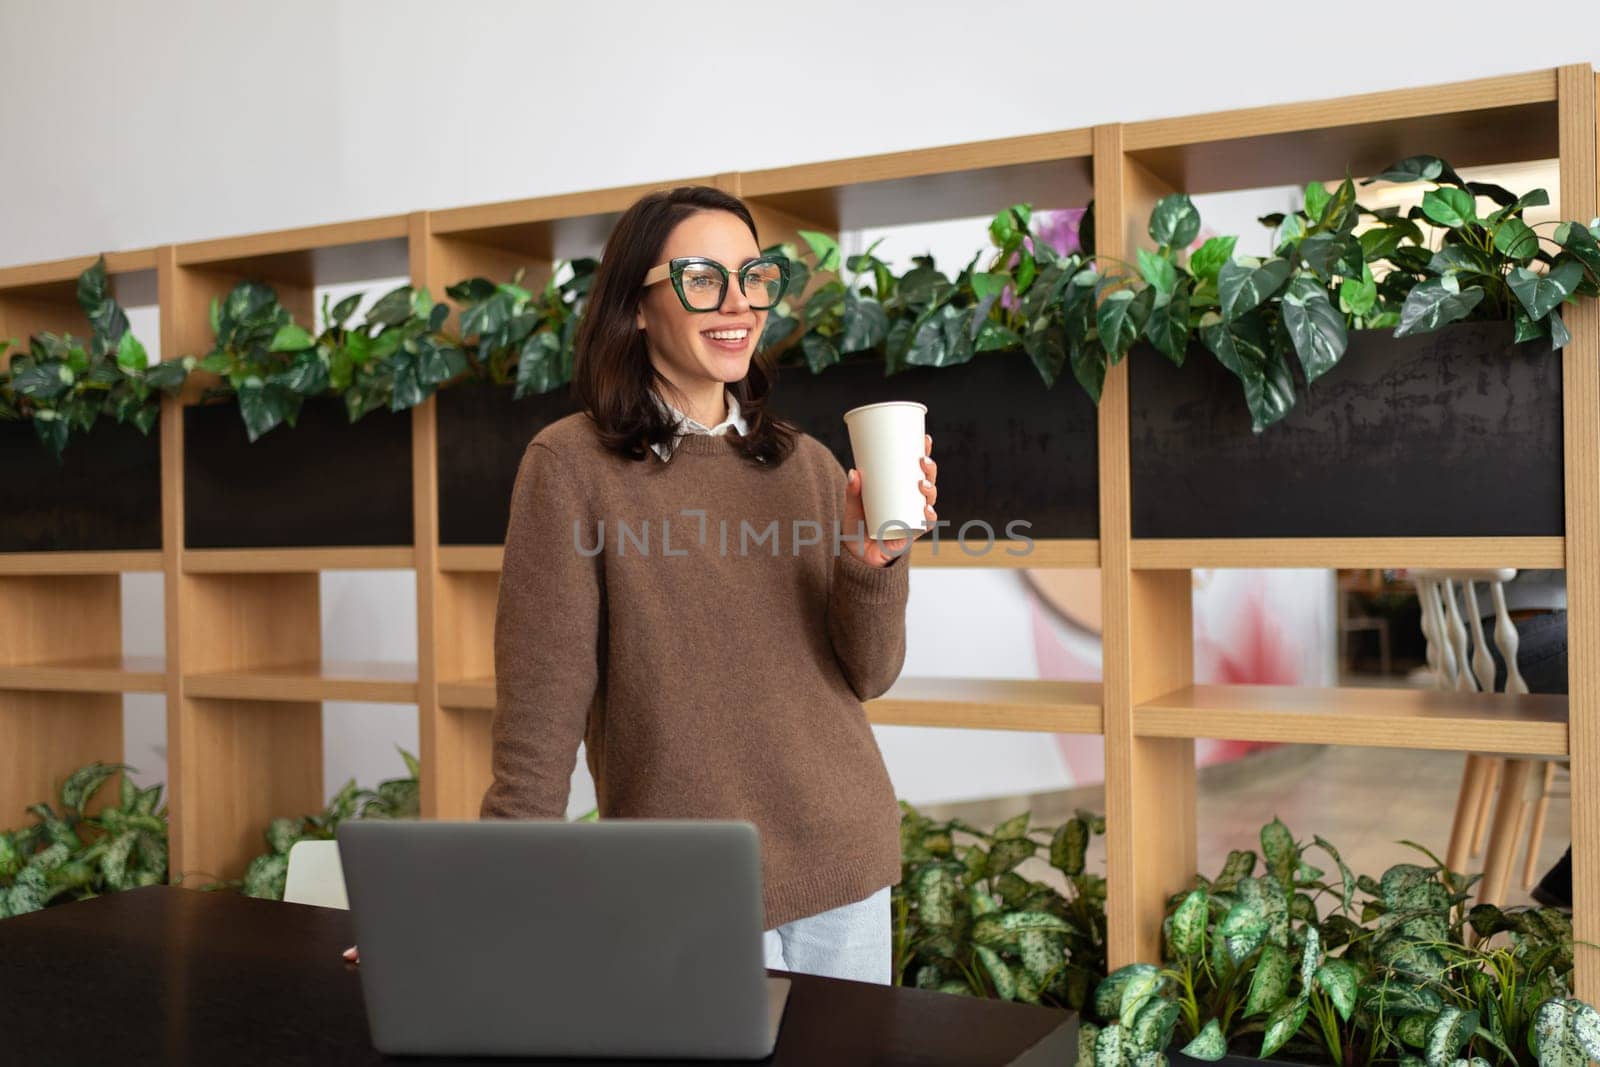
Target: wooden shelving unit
point(242, 670)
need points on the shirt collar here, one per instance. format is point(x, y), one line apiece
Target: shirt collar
point(735, 420)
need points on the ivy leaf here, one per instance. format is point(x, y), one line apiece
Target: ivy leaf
point(1516, 240)
point(1158, 270)
point(1317, 198)
point(1449, 206)
point(1175, 222)
point(1417, 168)
point(131, 355)
point(1542, 293)
point(1117, 328)
point(1208, 259)
point(1244, 282)
point(1358, 295)
point(1320, 338)
point(291, 338)
point(823, 247)
point(1576, 238)
point(1435, 302)
point(1167, 328)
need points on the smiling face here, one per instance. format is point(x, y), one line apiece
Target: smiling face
point(701, 351)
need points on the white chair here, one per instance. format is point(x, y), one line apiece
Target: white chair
point(315, 875)
point(1458, 666)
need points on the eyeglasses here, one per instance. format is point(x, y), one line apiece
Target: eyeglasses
point(702, 283)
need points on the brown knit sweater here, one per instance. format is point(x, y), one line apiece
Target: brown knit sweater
point(715, 673)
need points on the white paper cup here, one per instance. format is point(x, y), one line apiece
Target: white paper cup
point(886, 444)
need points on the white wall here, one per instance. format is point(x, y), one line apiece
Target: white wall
point(144, 122)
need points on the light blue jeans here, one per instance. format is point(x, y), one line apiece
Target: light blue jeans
point(852, 941)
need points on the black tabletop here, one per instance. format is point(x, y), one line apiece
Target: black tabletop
point(176, 976)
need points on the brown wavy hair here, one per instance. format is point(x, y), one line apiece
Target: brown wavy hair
point(612, 376)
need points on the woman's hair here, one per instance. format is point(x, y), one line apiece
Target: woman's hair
point(612, 376)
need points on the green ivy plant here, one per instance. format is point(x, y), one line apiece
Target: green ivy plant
point(63, 384)
point(1447, 260)
point(520, 337)
point(966, 922)
point(69, 855)
point(1061, 305)
point(395, 358)
point(1398, 969)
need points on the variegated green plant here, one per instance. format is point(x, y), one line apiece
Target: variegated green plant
point(966, 922)
point(1029, 296)
point(70, 855)
point(1409, 975)
point(1447, 260)
point(63, 385)
point(514, 335)
point(395, 358)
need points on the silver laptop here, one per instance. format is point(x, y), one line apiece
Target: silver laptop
point(621, 938)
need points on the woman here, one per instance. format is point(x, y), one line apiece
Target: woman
point(675, 592)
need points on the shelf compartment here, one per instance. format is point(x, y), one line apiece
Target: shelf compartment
point(326, 254)
point(1471, 123)
point(970, 703)
point(382, 683)
point(1534, 725)
point(91, 674)
point(56, 281)
point(545, 228)
point(45, 563)
point(1348, 552)
point(1063, 553)
point(1049, 170)
point(297, 560)
point(991, 704)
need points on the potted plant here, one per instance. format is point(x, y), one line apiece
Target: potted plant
point(344, 392)
point(518, 347)
point(1293, 963)
point(83, 470)
point(69, 854)
point(966, 922)
point(1424, 342)
point(983, 351)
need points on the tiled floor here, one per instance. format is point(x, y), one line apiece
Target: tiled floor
point(1364, 801)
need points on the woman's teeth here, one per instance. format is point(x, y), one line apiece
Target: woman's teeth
point(727, 338)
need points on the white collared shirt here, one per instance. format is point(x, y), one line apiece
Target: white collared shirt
point(735, 421)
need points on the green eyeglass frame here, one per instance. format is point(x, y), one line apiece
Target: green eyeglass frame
point(759, 301)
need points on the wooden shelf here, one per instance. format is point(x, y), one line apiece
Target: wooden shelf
point(93, 674)
point(990, 704)
point(1349, 552)
point(1044, 553)
point(1487, 120)
point(297, 560)
point(44, 563)
point(1048, 170)
point(328, 254)
point(383, 683)
point(468, 693)
point(57, 280)
point(1368, 718)
point(970, 703)
point(545, 228)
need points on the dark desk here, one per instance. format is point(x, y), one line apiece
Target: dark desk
point(176, 976)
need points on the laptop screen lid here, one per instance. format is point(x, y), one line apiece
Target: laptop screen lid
point(623, 937)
